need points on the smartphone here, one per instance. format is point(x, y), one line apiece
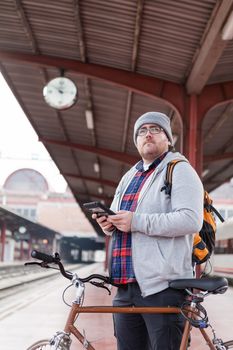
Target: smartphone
point(98, 208)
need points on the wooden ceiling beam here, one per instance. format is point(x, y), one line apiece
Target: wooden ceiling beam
point(220, 121)
point(80, 32)
point(86, 196)
point(86, 83)
point(82, 49)
point(26, 25)
point(92, 179)
point(137, 32)
point(118, 156)
point(212, 185)
point(214, 95)
point(171, 93)
point(218, 156)
point(211, 49)
point(222, 153)
point(227, 145)
point(134, 58)
point(211, 179)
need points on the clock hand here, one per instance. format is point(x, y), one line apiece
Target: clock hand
point(58, 89)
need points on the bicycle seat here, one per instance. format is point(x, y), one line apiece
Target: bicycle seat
point(215, 285)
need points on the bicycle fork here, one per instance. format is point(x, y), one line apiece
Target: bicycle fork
point(69, 327)
point(62, 340)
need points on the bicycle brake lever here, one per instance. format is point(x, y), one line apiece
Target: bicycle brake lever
point(31, 263)
point(101, 285)
point(41, 264)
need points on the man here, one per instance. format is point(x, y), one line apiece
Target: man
point(152, 237)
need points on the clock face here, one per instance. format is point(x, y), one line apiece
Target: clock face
point(60, 93)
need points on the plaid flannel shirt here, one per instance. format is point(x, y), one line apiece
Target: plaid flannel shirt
point(121, 267)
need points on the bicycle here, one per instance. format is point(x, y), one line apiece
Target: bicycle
point(192, 310)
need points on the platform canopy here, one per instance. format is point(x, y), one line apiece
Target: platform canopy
point(24, 229)
point(126, 58)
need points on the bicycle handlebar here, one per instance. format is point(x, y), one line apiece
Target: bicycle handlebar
point(48, 259)
point(45, 257)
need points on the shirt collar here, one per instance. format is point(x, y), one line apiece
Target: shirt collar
point(153, 165)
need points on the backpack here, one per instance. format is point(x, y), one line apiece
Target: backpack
point(204, 241)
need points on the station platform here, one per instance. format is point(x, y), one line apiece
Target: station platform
point(38, 312)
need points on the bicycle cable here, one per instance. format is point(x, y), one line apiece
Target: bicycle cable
point(200, 319)
point(210, 268)
point(63, 295)
point(65, 302)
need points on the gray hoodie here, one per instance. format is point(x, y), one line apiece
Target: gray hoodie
point(163, 226)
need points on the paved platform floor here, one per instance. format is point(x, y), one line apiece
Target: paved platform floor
point(37, 312)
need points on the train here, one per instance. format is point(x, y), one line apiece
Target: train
point(82, 249)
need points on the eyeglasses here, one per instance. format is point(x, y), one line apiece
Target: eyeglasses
point(152, 129)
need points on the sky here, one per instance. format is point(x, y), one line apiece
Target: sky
point(19, 145)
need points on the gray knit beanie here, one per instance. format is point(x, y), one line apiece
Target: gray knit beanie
point(153, 118)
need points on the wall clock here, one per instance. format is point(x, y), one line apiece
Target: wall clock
point(60, 93)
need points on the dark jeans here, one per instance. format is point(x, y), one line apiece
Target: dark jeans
point(148, 331)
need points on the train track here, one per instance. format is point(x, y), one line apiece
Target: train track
point(18, 291)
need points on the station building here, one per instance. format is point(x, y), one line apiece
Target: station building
point(34, 217)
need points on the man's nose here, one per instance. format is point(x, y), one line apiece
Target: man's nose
point(148, 132)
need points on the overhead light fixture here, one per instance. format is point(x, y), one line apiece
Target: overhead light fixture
point(175, 138)
point(227, 31)
point(100, 189)
point(89, 119)
point(96, 167)
point(205, 172)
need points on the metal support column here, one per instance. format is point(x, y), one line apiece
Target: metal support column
point(21, 250)
point(193, 144)
point(192, 136)
point(107, 238)
point(3, 240)
point(29, 248)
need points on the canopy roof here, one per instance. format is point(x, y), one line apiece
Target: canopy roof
point(14, 222)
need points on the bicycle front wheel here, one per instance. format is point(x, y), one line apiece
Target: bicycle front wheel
point(41, 345)
point(228, 344)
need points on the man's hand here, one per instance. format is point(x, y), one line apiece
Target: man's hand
point(122, 220)
point(104, 224)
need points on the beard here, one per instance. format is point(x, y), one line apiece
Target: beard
point(151, 150)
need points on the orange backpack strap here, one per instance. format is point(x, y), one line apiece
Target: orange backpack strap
point(208, 205)
point(168, 179)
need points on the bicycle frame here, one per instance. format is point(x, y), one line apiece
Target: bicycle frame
point(77, 309)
